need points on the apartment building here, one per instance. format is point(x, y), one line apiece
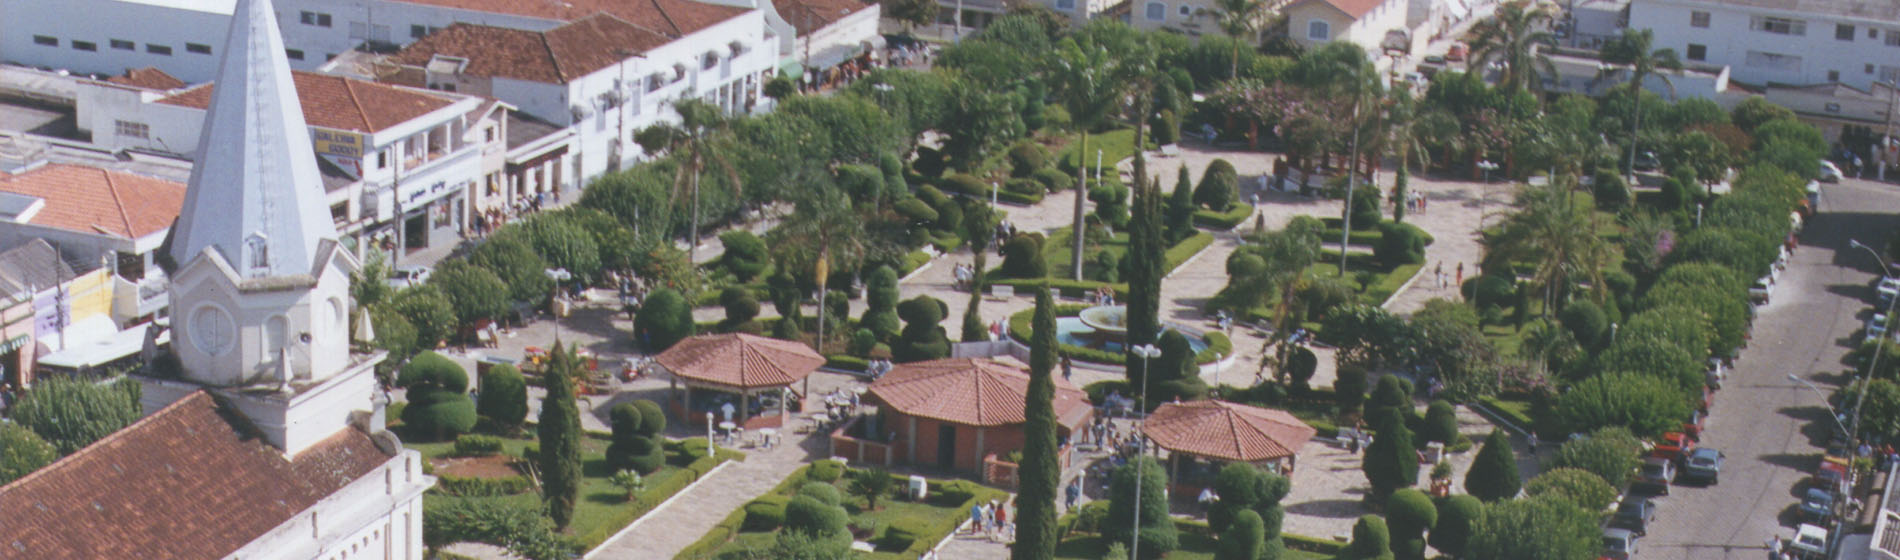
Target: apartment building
point(1788, 42)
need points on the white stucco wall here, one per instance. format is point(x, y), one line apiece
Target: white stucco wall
point(101, 21)
point(1729, 39)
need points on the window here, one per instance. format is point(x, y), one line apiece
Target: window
point(655, 82)
point(1698, 18)
point(195, 48)
point(1772, 61)
point(315, 18)
point(212, 330)
point(1319, 30)
point(1779, 26)
point(294, 54)
point(1157, 11)
point(1844, 32)
point(1833, 75)
point(45, 40)
point(1893, 38)
point(382, 159)
point(1065, 4)
point(1698, 52)
point(161, 50)
point(129, 129)
point(488, 134)
point(87, 46)
point(124, 45)
point(1186, 10)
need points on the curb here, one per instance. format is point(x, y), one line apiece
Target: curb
point(1402, 288)
point(649, 514)
point(1191, 258)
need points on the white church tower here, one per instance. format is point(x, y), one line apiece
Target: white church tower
point(260, 287)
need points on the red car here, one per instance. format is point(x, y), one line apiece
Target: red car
point(1674, 445)
point(1697, 422)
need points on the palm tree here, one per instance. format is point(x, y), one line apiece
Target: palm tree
point(1632, 48)
point(1239, 19)
point(1084, 76)
point(1512, 36)
point(1554, 231)
point(694, 138)
point(1408, 143)
point(824, 228)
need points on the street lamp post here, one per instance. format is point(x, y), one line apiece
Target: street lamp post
point(1146, 351)
point(558, 275)
point(1860, 398)
point(1484, 191)
point(711, 448)
point(1817, 391)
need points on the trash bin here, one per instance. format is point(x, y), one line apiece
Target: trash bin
point(918, 488)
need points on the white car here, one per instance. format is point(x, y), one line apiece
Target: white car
point(1810, 542)
point(1762, 290)
point(408, 276)
point(1829, 172)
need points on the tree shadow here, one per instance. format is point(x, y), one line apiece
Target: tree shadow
point(1803, 462)
point(1329, 509)
point(607, 498)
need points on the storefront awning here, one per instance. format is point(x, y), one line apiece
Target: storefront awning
point(791, 69)
point(103, 350)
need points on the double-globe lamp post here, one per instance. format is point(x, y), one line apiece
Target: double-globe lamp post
point(1146, 351)
point(1484, 191)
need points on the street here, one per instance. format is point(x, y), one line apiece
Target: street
point(1771, 428)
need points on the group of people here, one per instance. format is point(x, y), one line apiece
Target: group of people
point(1438, 271)
point(1414, 202)
point(878, 367)
point(487, 221)
point(965, 276)
point(1104, 295)
point(992, 520)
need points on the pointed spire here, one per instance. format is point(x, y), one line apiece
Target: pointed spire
point(255, 194)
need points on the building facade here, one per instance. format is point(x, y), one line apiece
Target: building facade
point(1801, 42)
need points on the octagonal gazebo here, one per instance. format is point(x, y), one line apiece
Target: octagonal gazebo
point(1211, 432)
point(954, 412)
point(740, 366)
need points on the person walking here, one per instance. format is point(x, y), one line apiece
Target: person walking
point(1072, 493)
point(1068, 368)
point(1461, 275)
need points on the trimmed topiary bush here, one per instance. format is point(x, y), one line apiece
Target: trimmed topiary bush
point(1399, 244)
point(923, 337)
point(439, 406)
point(477, 445)
point(664, 319)
point(1053, 179)
point(916, 210)
point(1022, 257)
point(822, 491)
point(1027, 157)
point(1586, 322)
point(1219, 187)
point(765, 514)
point(504, 398)
point(825, 471)
point(745, 255)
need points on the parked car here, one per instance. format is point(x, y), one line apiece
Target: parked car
point(1673, 446)
point(1659, 472)
point(1717, 373)
point(1886, 289)
point(1457, 52)
point(1698, 421)
point(1763, 289)
point(1818, 505)
point(1619, 544)
point(1830, 173)
point(1810, 542)
point(1634, 514)
point(1646, 161)
point(1832, 474)
point(408, 276)
point(1704, 464)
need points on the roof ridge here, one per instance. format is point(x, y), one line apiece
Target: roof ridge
point(112, 437)
point(668, 17)
point(118, 204)
point(349, 90)
point(553, 60)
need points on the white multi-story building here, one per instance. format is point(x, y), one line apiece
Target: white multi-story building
point(1361, 22)
point(1791, 42)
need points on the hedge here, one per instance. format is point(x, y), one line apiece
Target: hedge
point(765, 513)
point(1497, 406)
point(1313, 544)
point(710, 297)
point(477, 445)
point(470, 486)
point(1067, 287)
point(913, 261)
point(1186, 249)
point(1223, 220)
point(921, 532)
point(657, 492)
point(1002, 195)
point(847, 363)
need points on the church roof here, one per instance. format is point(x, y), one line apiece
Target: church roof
point(256, 182)
point(341, 103)
point(555, 56)
point(97, 201)
point(190, 481)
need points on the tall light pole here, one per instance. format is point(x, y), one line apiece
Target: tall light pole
point(1484, 191)
point(1872, 365)
point(1146, 351)
point(558, 275)
point(1352, 170)
point(1817, 390)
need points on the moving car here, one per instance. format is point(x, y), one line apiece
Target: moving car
point(1830, 173)
point(1659, 472)
point(1634, 515)
point(1619, 544)
point(1705, 464)
point(1818, 505)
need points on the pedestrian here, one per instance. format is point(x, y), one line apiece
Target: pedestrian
point(1068, 368)
point(1002, 518)
point(1438, 271)
point(1352, 444)
point(1072, 493)
point(1461, 275)
point(976, 519)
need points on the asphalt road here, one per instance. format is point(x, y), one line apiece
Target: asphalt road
point(1771, 428)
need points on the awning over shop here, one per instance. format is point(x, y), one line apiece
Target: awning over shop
point(791, 69)
point(102, 350)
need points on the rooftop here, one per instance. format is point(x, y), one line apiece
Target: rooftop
point(32, 266)
point(740, 360)
point(149, 77)
point(1227, 431)
point(340, 103)
point(97, 201)
point(524, 129)
point(970, 391)
point(809, 15)
point(1877, 10)
point(192, 480)
point(1353, 8)
point(556, 56)
point(673, 17)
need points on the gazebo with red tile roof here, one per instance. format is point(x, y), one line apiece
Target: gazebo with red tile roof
point(953, 412)
point(1220, 431)
point(740, 364)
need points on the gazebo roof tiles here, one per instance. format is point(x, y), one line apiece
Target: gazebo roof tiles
point(970, 391)
point(740, 361)
point(1227, 431)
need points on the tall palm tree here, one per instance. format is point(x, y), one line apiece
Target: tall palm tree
point(824, 229)
point(1551, 229)
point(1512, 36)
point(694, 139)
point(1407, 139)
point(1084, 78)
point(1632, 48)
point(1238, 19)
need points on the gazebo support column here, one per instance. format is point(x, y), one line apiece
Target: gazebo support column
point(980, 450)
point(911, 441)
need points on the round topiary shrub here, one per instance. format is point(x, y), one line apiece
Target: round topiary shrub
point(1027, 157)
point(1053, 179)
point(745, 255)
point(814, 517)
point(1107, 268)
point(1610, 190)
point(652, 418)
point(1219, 187)
point(764, 514)
point(439, 414)
point(1399, 245)
point(663, 320)
point(966, 184)
point(1022, 257)
point(825, 471)
point(1489, 291)
point(917, 211)
point(1167, 128)
point(740, 304)
point(626, 430)
point(822, 491)
point(504, 397)
point(1366, 210)
point(1024, 186)
point(862, 341)
point(1586, 322)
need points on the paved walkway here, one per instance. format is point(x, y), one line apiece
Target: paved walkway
point(665, 531)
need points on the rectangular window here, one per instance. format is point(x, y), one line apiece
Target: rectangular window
point(161, 50)
point(124, 45)
point(129, 129)
point(1156, 11)
point(1772, 61)
point(87, 46)
point(1319, 30)
point(294, 54)
point(382, 159)
point(1779, 26)
point(1833, 76)
point(195, 48)
point(1065, 4)
point(418, 31)
point(1844, 32)
point(315, 18)
point(45, 40)
point(1698, 18)
point(488, 134)
point(1867, 69)
point(1893, 38)
point(1698, 52)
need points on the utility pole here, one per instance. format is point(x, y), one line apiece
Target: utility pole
point(1352, 171)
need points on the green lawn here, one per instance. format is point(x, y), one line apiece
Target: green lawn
point(1115, 145)
point(937, 511)
point(1193, 547)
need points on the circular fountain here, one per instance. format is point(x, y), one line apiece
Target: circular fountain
point(1105, 328)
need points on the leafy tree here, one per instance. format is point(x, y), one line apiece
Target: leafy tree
point(1581, 487)
point(1040, 473)
point(1751, 113)
point(1220, 186)
point(1655, 357)
point(1493, 475)
point(636, 444)
point(428, 311)
point(872, 483)
point(369, 285)
point(1539, 528)
point(560, 241)
point(629, 481)
point(800, 545)
point(1181, 207)
point(694, 140)
point(664, 319)
point(1610, 453)
point(71, 413)
point(973, 328)
point(504, 398)
point(1391, 460)
point(1586, 321)
point(1880, 415)
point(922, 338)
point(1399, 244)
point(559, 431)
point(1409, 513)
point(473, 291)
point(1370, 540)
point(1458, 516)
point(1022, 257)
point(22, 452)
point(517, 265)
point(1157, 529)
point(1244, 539)
point(1646, 404)
point(522, 530)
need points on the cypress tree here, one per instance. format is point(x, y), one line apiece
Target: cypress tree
point(1399, 184)
point(1391, 461)
point(1493, 475)
point(1039, 474)
point(1369, 540)
point(1146, 265)
point(973, 328)
point(1181, 208)
point(559, 435)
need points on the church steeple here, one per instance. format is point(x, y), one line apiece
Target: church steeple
point(255, 194)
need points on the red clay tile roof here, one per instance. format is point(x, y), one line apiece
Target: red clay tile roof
point(675, 18)
point(341, 103)
point(1353, 8)
point(1227, 431)
point(189, 481)
point(806, 15)
point(93, 200)
point(969, 391)
point(555, 56)
point(740, 360)
point(149, 77)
